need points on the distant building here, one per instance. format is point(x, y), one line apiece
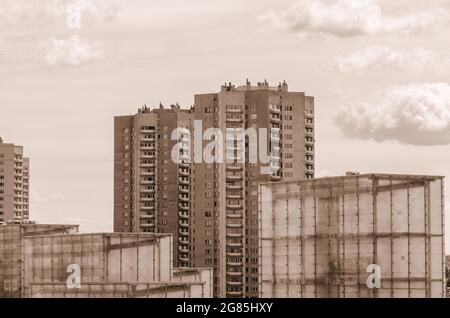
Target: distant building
point(211, 208)
point(368, 235)
point(38, 260)
point(14, 183)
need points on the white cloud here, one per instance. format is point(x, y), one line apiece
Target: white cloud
point(417, 114)
point(51, 11)
point(37, 197)
point(73, 51)
point(347, 18)
point(381, 57)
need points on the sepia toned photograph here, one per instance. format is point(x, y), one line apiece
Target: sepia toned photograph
point(224, 155)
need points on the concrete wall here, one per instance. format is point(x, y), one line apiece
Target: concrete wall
point(319, 237)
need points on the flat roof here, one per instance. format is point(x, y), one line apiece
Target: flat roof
point(385, 176)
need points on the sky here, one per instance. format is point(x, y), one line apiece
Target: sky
point(378, 69)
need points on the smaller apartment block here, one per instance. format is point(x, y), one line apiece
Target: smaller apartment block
point(14, 183)
point(104, 264)
point(370, 236)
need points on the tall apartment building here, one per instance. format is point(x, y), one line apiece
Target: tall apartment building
point(14, 183)
point(226, 203)
point(151, 192)
point(212, 208)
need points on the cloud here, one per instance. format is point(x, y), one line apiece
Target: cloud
point(416, 114)
point(37, 197)
point(51, 11)
point(72, 51)
point(381, 57)
point(348, 18)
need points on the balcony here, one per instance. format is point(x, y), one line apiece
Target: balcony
point(148, 131)
point(183, 232)
point(234, 176)
point(275, 119)
point(309, 125)
point(183, 249)
point(183, 223)
point(184, 163)
point(183, 240)
point(147, 190)
point(234, 254)
point(147, 225)
point(147, 173)
point(147, 216)
point(234, 215)
point(183, 197)
point(147, 182)
point(184, 189)
point(309, 161)
point(309, 133)
point(234, 293)
point(147, 165)
point(235, 206)
point(147, 139)
point(183, 214)
point(309, 151)
point(183, 206)
point(234, 120)
point(147, 199)
point(234, 225)
point(235, 234)
point(183, 259)
point(147, 148)
point(234, 244)
point(234, 263)
point(234, 110)
point(231, 273)
point(233, 283)
point(309, 169)
point(275, 109)
point(148, 156)
point(234, 167)
point(184, 172)
point(309, 115)
point(275, 137)
point(183, 180)
point(309, 142)
point(234, 196)
point(234, 186)
point(147, 208)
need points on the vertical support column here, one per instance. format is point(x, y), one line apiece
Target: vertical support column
point(444, 285)
point(288, 276)
point(358, 259)
point(342, 275)
point(302, 242)
point(375, 229)
point(408, 209)
point(273, 241)
point(315, 241)
point(427, 238)
point(392, 235)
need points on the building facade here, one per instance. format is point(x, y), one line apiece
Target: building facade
point(212, 207)
point(226, 203)
point(369, 236)
point(152, 193)
point(14, 183)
